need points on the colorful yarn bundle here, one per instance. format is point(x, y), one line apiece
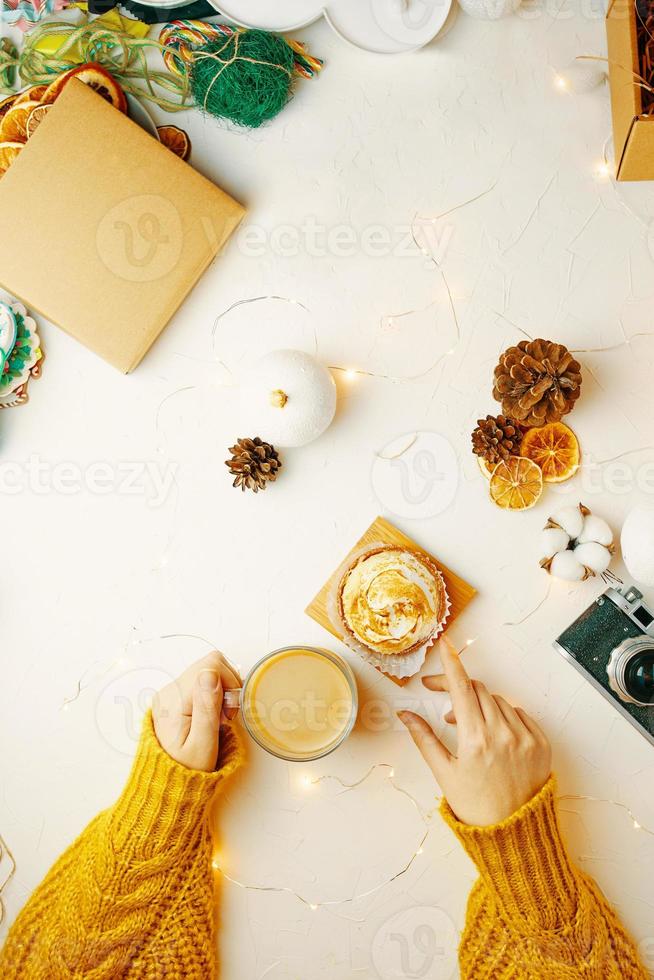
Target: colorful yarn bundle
point(242, 75)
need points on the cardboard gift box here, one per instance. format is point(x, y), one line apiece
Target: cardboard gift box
point(633, 131)
point(104, 230)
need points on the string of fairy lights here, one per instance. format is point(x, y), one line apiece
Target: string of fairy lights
point(308, 782)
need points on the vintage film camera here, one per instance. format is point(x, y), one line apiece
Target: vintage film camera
point(612, 645)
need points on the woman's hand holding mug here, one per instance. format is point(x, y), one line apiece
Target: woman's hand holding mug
point(188, 711)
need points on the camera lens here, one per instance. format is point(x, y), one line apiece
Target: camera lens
point(639, 677)
point(631, 671)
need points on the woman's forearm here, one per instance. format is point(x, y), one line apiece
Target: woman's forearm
point(533, 914)
point(136, 888)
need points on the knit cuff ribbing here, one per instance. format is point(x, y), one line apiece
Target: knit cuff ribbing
point(523, 861)
point(164, 801)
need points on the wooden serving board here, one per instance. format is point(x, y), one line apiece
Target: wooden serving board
point(459, 591)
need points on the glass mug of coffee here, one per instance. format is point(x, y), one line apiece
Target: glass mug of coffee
point(298, 703)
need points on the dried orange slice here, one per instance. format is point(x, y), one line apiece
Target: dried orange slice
point(516, 483)
point(94, 75)
point(35, 117)
point(13, 126)
point(6, 104)
point(8, 153)
point(175, 139)
point(486, 468)
point(33, 94)
point(553, 447)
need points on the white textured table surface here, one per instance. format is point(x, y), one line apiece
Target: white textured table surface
point(94, 584)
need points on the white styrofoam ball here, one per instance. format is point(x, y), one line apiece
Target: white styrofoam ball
point(553, 540)
point(594, 556)
point(638, 544)
point(595, 529)
point(571, 520)
point(288, 398)
point(566, 566)
point(489, 9)
point(580, 77)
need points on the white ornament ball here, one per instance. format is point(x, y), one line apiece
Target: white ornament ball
point(571, 520)
point(595, 529)
point(489, 9)
point(638, 544)
point(288, 398)
point(594, 556)
point(553, 540)
point(566, 566)
point(580, 77)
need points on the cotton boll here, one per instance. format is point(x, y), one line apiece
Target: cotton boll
point(571, 520)
point(594, 556)
point(553, 540)
point(596, 529)
point(566, 566)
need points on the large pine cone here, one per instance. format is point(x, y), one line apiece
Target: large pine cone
point(537, 382)
point(254, 464)
point(496, 438)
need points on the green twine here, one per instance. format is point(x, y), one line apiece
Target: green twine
point(8, 56)
point(246, 78)
point(121, 54)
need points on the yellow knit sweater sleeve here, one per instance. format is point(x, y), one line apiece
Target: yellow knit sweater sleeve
point(133, 896)
point(532, 915)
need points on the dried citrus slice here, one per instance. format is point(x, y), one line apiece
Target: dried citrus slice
point(516, 483)
point(8, 153)
point(553, 447)
point(175, 139)
point(486, 468)
point(13, 126)
point(97, 77)
point(33, 94)
point(6, 104)
point(35, 117)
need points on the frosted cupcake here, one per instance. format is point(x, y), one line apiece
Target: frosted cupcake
point(392, 601)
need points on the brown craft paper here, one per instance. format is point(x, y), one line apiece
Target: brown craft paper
point(633, 133)
point(104, 230)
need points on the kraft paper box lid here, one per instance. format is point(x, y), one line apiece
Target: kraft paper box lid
point(633, 133)
point(104, 230)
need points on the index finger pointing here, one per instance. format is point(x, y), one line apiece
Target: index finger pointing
point(464, 699)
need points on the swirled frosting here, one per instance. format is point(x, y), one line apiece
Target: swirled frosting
point(392, 600)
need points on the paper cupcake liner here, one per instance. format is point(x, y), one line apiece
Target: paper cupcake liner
point(398, 665)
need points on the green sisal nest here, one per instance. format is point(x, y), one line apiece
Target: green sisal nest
point(247, 78)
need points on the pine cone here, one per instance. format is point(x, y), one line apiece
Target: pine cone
point(537, 382)
point(254, 464)
point(496, 438)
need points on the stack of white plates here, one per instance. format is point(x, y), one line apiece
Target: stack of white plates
point(382, 26)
